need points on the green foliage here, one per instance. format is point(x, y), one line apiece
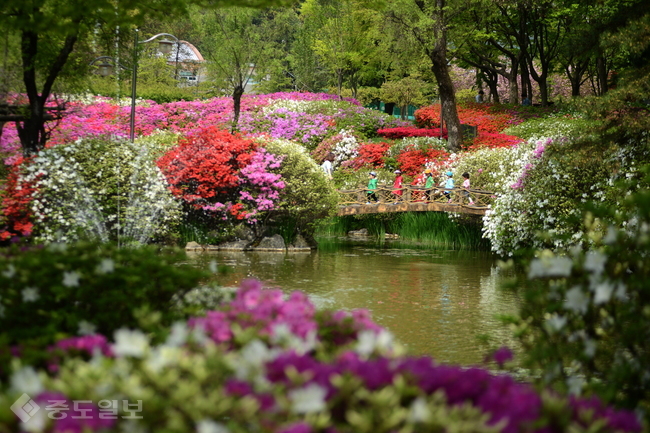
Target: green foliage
point(308, 196)
point(438, 229)
point(51, 291)
point(585, 318)
point(552, 127)
point(405, 92)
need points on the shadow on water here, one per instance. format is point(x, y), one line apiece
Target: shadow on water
point(436, 302)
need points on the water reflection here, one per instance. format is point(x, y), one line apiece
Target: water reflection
point(436, 302)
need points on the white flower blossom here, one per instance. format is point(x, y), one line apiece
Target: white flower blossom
point(30, 294)
point(603, 292)
point(178, 335)
point(106, 266)
point(130, 343)
point(86, 328)
point(370, 341)
point(209, 426)
point(576, 300)
point(10, 271)
point(308, 399)
point(556, 322)
point(595, 262)
point(26, 380)
point(71, 279)
point(419, 411)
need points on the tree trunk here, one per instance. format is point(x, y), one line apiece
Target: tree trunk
point(236, 98)
point(601, 71)
point(440, 69)
point(31, 131)
point(447, 102)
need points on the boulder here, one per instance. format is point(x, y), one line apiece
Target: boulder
point(193, 246)
point(300, 242)
point(361, 232)
point(275, 242)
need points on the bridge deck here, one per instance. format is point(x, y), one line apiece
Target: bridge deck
point(414, 199)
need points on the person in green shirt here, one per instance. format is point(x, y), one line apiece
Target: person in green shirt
point(429, 183)
point(372, 187)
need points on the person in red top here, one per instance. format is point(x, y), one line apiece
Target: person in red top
point(397, 186)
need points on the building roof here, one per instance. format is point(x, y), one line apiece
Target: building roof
point(187, 53)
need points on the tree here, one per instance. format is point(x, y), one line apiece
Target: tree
point(405, 92)
point(428, 22)
point(343, 37)
point(238, 44)
point(49, 32)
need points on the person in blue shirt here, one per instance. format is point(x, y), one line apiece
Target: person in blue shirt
point(449, 185)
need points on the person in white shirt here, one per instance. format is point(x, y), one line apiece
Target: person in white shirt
point(327, 166)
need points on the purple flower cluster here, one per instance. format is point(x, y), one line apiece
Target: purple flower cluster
point(514, 405)
point(86, 343)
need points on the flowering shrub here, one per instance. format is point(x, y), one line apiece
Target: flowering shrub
point(308, 196)
point(97, 189)
point(552, 179)
point(15, 220)
point(480, 115)
point(370, 155)
point(551, 127)
point(584, 321)
point(403, 132)
point(494, 141)
point(263, 363)
point(222, 174)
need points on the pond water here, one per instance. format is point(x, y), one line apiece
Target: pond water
point(436, 302)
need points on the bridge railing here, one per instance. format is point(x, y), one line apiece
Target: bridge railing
point(386, 194)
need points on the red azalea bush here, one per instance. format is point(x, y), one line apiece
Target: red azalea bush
point(409, 131)
point(217, 172)
point(412, 161)
point(370, 155)
point(479, 115)
point(494, 141)
point(15, 220)
point(205, 165)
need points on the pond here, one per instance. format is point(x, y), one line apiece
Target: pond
point(436, 302)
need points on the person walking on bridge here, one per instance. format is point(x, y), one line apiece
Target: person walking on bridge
point(372, 187)
point(449, 185)
point(428, 185)
point(397, 186)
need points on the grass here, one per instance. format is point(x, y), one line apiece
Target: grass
point(430, 228)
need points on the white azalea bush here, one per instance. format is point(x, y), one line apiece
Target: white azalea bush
point(584, 322)
point(101, 188)
point(266, 362)
point(545, 196)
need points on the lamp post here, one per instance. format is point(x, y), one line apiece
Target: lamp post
point(164, 47)
point(106, 68)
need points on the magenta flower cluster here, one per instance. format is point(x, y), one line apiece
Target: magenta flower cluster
point(517, 406)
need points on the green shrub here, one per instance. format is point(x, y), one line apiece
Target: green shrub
point(308, 196)
point(552, 127)
point(584, 322)
point(61, 289)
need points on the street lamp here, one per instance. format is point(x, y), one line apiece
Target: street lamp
point(164, 47)
point(106, 68)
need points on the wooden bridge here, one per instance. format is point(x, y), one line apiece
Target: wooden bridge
point(414, 199)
